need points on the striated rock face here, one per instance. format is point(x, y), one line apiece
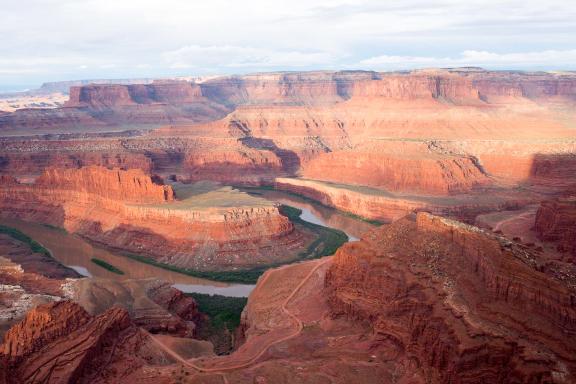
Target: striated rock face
point(31, 157)
point(181, 101)
point(99, 96)
point(556, 221)
point(131, 186)
point(152, 304)
point(467, 306)
point(398, 166)
point(42, 326)
point(98, 349)
point(173, 301)
point(330, 87)
point(433, 132)
point(384, 206)
point(124, 209)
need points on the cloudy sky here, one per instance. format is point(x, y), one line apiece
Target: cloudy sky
point(49, 40)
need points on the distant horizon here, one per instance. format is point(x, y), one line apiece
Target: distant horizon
point(33, 87)
point(62, 40)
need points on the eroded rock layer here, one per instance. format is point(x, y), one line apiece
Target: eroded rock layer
point(28, 278)
point(61, 343)
point(556, 222)
point(131, 186)
point(126, 210)
point(433, 132)
point(384, 206)
point(152, 304)
point(455, 299)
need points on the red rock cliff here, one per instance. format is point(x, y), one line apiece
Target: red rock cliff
point(99, 96)
point(61, 343)
point(124, 209)
point(129, 186)
point(466, 305)
point(556, 221)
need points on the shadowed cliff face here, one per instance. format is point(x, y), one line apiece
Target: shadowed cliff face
point(556, 222)
point(289, 159)
point(468, 306)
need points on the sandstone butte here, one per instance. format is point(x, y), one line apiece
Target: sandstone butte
point(423, 300)
point(440, 133)
point(127, 210)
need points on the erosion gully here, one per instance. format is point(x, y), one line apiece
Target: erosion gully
point(73, 251)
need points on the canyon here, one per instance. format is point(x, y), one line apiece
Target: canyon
point(420, 133)
point(424, 299)
point(128, 211)
point(457, 184)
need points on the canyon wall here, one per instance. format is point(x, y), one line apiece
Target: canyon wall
point(401, 141)
point(130, 186)
point(126, 210)
point(556, 222)
point(468, 94)
point(455, 299)
point(99, 96)
point(398, 166)
point(383, 206)
point(353, 127)
point(98, 348)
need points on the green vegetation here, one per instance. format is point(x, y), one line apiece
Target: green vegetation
point(328, 241)
point(33, 244)
point(254, 190)
point(224, 311)
point(106, 266)
point(247, 276)
point(223, 318)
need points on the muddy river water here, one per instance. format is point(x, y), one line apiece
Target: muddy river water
point(76, 253)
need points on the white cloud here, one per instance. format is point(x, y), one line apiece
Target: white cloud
point(196, 56)
point(550, 58)
point(50, 39)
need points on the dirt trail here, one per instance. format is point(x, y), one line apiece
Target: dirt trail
point(253, 359)
point(521, 216)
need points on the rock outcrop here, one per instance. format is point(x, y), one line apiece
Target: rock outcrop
point(130, 186)
point(456, 300)
point(384, 206)
point(556, 221)
point(412, 167)
point(126, 210)
point(152, 304)
point(433, 132)
point(103, 96)
point(60, 343)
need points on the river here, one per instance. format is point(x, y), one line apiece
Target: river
point(75, 252)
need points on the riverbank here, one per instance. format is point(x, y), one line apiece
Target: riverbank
point(76, 253)
point(310, 200)
point(327, 241)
